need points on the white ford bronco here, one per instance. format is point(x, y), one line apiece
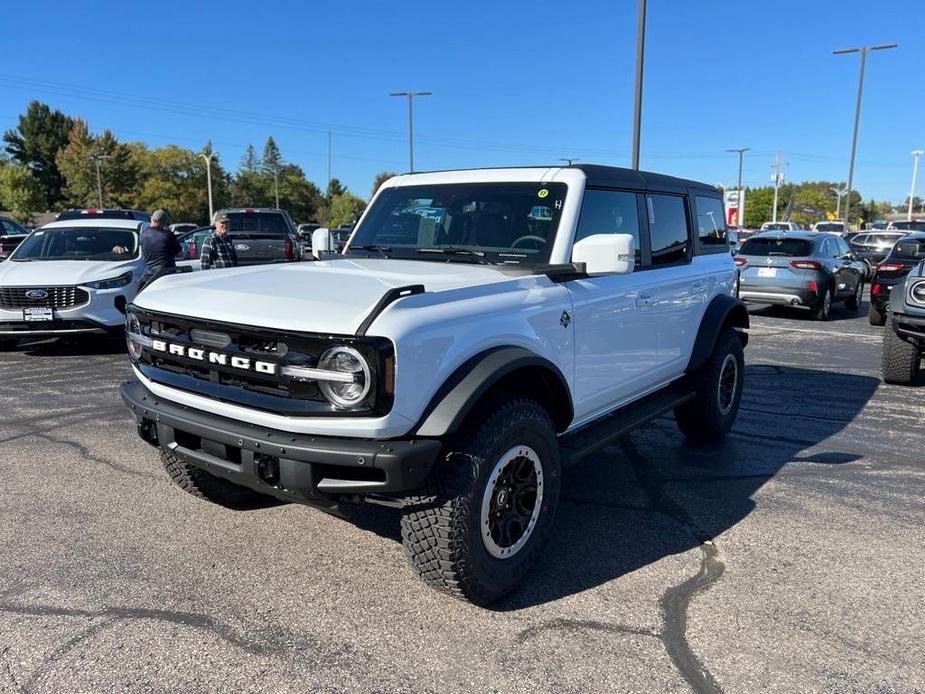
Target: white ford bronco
point(480, 330)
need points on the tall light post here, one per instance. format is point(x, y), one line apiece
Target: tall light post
point(740, 212)
point(778, 178)
point(208, 158)
point(637, 104)
point(410, 96)
point(839, 192)
point(915, 170)
point(864, 50)
point(98, 159)
point(276, 181)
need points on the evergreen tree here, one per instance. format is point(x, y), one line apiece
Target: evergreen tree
point(35, 143)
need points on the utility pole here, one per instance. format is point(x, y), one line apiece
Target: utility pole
point(568, 161)
point(410, 96)
point(640, 58)
point(97, 159)
point(839, 192)
point(740, 211)
point(329, 158)
point(208, 158)
point(778, 177)
point(857, 114)
point(276, 181)
point(915, 170)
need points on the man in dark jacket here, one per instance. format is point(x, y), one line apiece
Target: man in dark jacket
point(218, 248)
point(159, 247)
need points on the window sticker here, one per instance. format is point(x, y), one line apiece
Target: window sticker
point(543, 193)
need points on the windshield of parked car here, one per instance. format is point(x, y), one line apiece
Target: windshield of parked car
point(796, 248)
point(508, 223)
point(78, 243)
point(243, 223)
point(829, 227)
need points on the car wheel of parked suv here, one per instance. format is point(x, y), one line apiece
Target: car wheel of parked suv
point(900, 360)
point(488, 511)
point(824, 307)
point(204, 485)
point(718, 387)
point(875, 316)
point(853, 303)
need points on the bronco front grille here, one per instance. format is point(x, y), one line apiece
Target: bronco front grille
point(54, 297)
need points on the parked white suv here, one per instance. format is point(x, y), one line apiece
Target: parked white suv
point(481, 330)
point(70, 277)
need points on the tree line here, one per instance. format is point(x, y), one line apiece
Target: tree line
point(50, 163)
point(809, 202)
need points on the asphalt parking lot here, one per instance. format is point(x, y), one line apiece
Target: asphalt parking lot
point(789, 558)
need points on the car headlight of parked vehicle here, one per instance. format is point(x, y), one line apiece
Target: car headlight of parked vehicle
point(343, 376)
point(134, 338)
point(122, 280)
point(917, 292)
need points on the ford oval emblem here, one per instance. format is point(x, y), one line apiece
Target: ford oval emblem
point(241, 247)
point(36, 294)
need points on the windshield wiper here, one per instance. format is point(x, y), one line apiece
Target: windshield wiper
point(477, 256)
point(382, 250)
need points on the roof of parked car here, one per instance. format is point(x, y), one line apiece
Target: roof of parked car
point(96, 223)
point(781, 234)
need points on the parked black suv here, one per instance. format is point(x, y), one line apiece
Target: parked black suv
point(891, 272)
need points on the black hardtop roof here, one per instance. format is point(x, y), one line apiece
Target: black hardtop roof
point(617, 177)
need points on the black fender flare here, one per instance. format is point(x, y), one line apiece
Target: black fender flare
point(454, 400)
point(723, 311)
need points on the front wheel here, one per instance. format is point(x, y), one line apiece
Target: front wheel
point(853, 303)
point(479, 527)
point(718, 387)
point(900, 360)
point(204, 485)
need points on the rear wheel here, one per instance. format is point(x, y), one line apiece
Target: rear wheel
point(488, 510)
point(204, 485)
point(718, 386)
point(900, 360)
point(824, 307)
point(875, 316)
point(853, 303)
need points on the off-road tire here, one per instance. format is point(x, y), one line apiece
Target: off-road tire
point(204, 485)
point(705, 418)
point(875, 316)
point(853, 302)
point(440, 526)
point(823, 308)
point(900, 360)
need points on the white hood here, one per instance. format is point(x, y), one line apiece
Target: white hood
point(60, 273)
point(332, 296)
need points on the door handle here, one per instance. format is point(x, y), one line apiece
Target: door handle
point(644, 300)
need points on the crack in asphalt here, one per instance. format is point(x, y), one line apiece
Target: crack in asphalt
point(677, 599)
point(8, 669)
point(85, 453)
point(32, 430)
point(579, 625)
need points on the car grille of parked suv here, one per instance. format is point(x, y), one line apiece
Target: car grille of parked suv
point(31, 297)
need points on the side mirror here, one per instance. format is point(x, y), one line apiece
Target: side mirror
point(606, 254)
point(321, 241)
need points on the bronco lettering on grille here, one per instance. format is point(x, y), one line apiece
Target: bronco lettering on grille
point(243, 363)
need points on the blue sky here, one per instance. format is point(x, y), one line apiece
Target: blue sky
point(514, 83)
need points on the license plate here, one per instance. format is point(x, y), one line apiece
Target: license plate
point(37, 314)
point(767, 272)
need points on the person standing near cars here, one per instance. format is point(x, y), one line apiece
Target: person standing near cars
point(159, 247)
point(218, 247)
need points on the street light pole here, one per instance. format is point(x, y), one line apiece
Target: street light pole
point(208, 158)
point(838, 194)
point(915, 170)
point(740, 211)
point(640, 58)
point(97, 159)
point(410, 96)
point(276, 181)
point(864, 50)
point(778, 179)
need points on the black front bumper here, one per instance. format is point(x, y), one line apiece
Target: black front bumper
point(294, 467)
point(910, 328)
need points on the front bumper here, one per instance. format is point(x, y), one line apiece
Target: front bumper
point(910, 328)
point(103, 312)
point(294, 467)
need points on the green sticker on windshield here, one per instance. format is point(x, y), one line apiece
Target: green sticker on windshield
point(543, 193)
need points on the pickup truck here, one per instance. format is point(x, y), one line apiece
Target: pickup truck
point(480, 331)
point(263, 235)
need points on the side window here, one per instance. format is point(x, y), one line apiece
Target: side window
point(830, 250)
point(842, 247)
point(711, 222)
point(609, 212)
point(7, 227)
point(668, 232)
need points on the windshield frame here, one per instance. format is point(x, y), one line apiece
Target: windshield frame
point(21, 249)
point(512, 196)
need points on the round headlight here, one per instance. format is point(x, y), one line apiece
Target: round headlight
point(918, 292)
point(347, 360)
point(132, 327)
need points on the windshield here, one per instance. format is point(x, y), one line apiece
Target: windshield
point(829, 227)
point(795, 248)
point(78, 243)
point(510, 223)
point(243, 223)
point(775, 227)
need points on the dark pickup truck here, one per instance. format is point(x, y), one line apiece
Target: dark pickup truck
point(263, 235)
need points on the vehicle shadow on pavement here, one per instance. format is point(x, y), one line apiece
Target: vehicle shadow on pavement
point(89, 345)
point(837, 313)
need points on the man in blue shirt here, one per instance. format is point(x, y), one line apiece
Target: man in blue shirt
point(159, 247)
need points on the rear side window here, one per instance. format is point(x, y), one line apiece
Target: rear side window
point(909, 249)
point(609, 212)
point(668, 232)
point(258, 223)
point(711, 222)
point(795, 248)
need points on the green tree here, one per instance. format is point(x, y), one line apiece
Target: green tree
point(335, 188)
point(381, 178)
point(175, 180)
point(343, 209)
point(250, 162)
point(272, 159)
point(297, 195)
point(35, 143)
point(20, 191)
point(119, 169)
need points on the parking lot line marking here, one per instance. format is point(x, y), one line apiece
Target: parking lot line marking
point(775, 330)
